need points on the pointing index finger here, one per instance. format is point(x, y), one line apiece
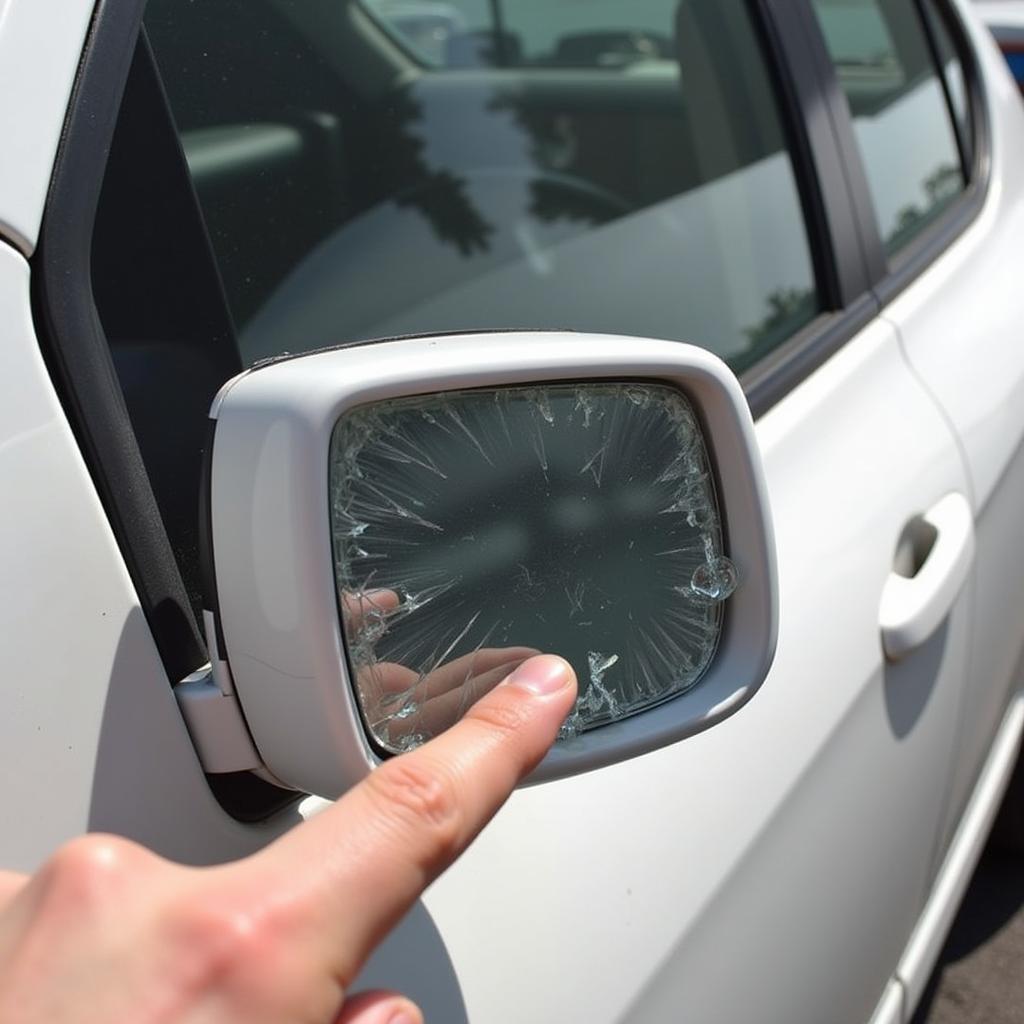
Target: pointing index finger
point(350, 873)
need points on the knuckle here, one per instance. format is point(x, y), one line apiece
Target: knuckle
point(219, 934)
point(413, 794)
point(221, 947)
point(87, 872)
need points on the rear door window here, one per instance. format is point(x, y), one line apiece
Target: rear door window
point(953, 76)
point(898, 100)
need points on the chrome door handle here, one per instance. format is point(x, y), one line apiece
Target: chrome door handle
point(913, 606)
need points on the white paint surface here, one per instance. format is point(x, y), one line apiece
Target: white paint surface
point(40, 45)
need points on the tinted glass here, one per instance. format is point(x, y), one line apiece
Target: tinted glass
point(616, 167)
point(901, 118)
point(953, 76)
point(552, 33)
point(474, 529)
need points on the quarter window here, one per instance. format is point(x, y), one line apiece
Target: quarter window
point(616, 166)
point(898, 101)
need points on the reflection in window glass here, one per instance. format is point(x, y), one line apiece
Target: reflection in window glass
point(899, 109)
point(626, 172)
point(475, 528)
point(953, 74)
point(546, 33)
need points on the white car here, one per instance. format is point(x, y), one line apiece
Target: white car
point(769, 801)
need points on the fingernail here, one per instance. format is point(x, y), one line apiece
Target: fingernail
point(542, 675)
point(404, 1014)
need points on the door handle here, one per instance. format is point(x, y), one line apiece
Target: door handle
point(914, 605)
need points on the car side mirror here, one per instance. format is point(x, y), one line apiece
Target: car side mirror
point(392, 527)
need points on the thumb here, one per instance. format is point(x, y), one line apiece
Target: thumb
point(379, 1008)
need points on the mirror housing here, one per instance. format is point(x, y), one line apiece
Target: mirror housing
point(274, 620)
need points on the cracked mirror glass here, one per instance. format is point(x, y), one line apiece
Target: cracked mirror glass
point(473, 529)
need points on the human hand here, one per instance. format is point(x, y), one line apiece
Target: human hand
point(441, 696)
point(107, 931)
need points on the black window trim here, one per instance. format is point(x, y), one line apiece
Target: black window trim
point(964, 146)
point(802, 47)
point(932, 242)
point(810, 101)
point(75, 346)
point(78, 358)
point(890, 275)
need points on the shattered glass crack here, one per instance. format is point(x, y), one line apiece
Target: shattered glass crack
point(472, 529)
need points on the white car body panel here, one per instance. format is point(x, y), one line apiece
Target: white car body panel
point(980, 380)
point(971, 357)
point(90, 729)
point(719, 879)
point(754, 854)
point(964, 852)
point(40, 46)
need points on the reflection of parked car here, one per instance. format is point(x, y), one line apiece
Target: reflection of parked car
point(825, 193)
point(1006, 20)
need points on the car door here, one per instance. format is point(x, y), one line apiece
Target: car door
point(592, 179)
point(966, 352)
point(973, 364)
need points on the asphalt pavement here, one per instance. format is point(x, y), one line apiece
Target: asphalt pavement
point(979, 978)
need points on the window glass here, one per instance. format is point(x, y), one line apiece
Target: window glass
point(954, 77)
point(546, 33)
point(613, 166)
point(899, 110)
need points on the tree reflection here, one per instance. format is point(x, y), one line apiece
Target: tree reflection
point(788, 310)
point(404, 175)
point(548, 143)
point(941, 187)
